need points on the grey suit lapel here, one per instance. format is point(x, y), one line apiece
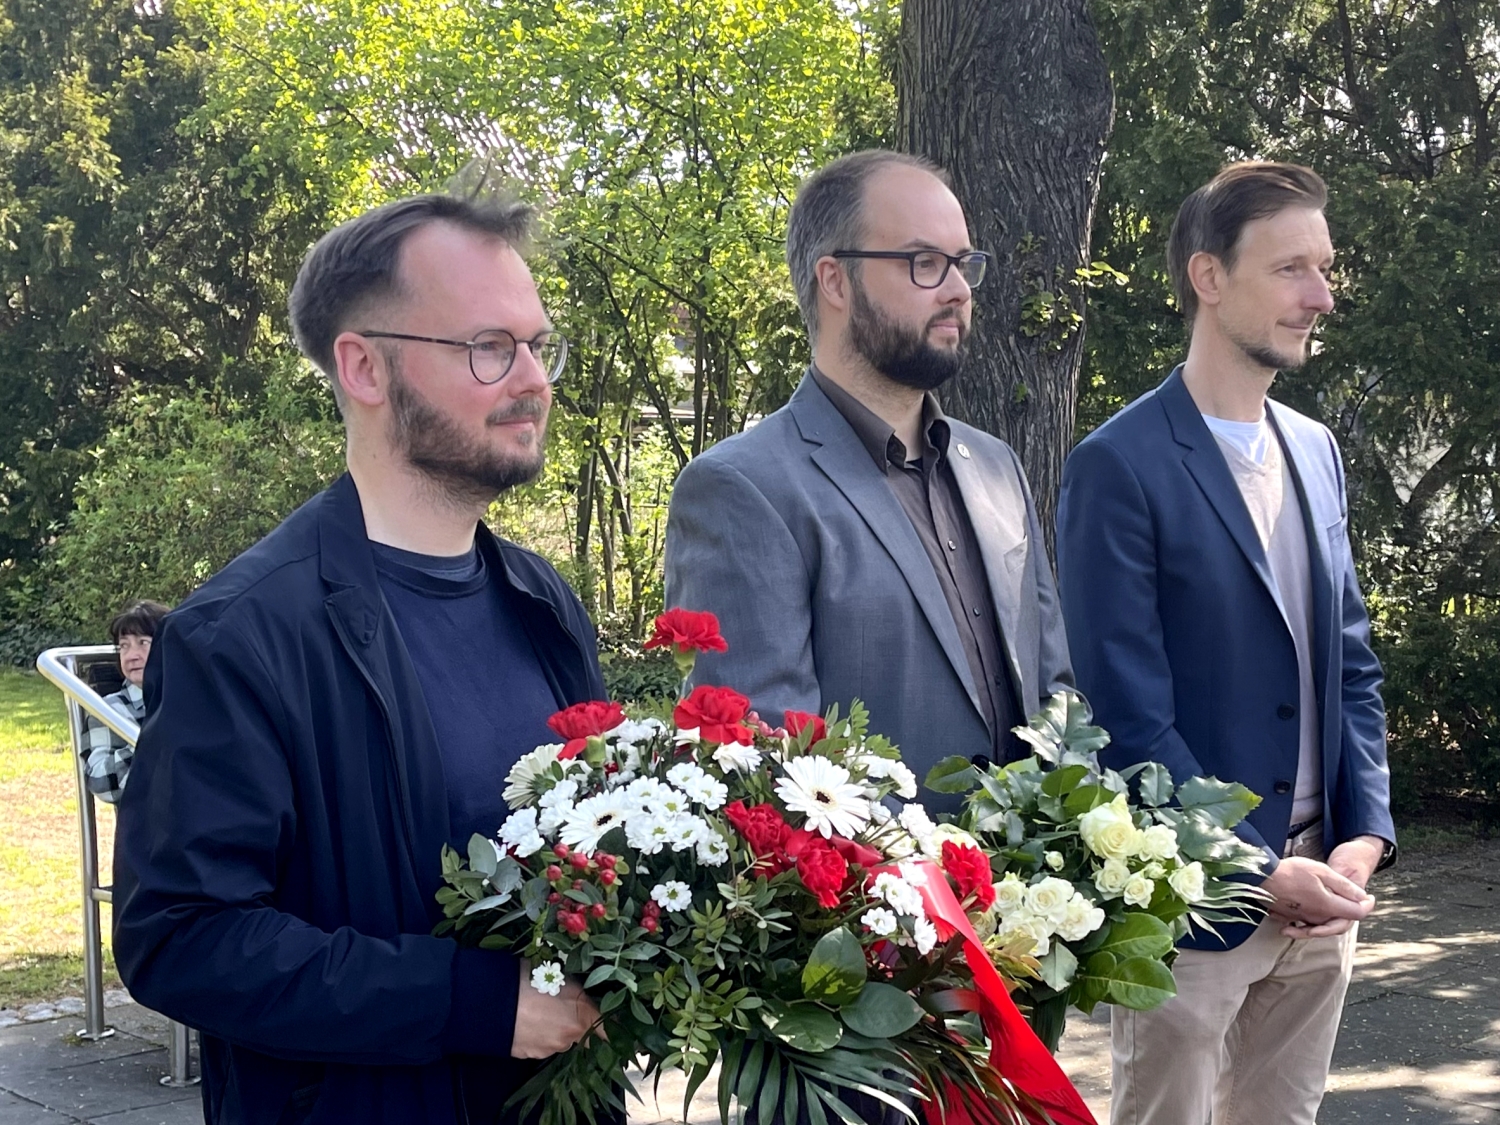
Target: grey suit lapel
point(1000, 529)
point(840, 456)
point(1205, 462)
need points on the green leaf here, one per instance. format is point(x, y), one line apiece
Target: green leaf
point(1059, 967)
point(1142, 984)
point(1226, 803)
point(881, 1012)
point(1062, 780)
point(952, 775)
point(1085, 798)
point(1155, 784)
point(835, 972)
point(1138, 935)
point(482, 856)
point(802, 1025)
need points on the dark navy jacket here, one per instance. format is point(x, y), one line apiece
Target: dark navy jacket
point(278, 849)
point(1177, 638)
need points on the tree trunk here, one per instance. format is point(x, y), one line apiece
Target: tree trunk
point(1013, 99)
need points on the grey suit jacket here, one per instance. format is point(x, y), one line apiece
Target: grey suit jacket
point(790, 534)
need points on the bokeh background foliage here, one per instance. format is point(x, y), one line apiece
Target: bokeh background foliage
point(165, 163)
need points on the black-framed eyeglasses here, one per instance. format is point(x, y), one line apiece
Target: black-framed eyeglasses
point(492, 353)
point(929, 268)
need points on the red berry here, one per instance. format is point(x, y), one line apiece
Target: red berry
point(606, 861)
point(577, 884)
point(561, 850)
point(650, 924)
point(575, 924)
point(554, 873)
point(597, 910)
point(554, 897)
point(579, 860)
point(607, 877)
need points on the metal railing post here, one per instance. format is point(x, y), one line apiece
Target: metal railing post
point(60, 666)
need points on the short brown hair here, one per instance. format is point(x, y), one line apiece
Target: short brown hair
point(138, 619)
point(1211, 219)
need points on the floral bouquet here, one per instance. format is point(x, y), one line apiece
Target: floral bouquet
point(1095, 890)
point(736, 894)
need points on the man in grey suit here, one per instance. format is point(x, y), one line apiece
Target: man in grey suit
point(857, 543)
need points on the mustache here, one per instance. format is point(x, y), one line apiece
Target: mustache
point(522, 410)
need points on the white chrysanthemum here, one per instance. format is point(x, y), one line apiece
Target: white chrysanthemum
point(879, 921)
point(1080, 919)
point(551, 819)
point(713, 851)
point(520, 783)
point(821, 791)
point(1049, 899)
point(635, 732)
point(647, 792)
point(683, 772)
point(879, 814)
point(874, 765)
point(706, 791)
point(1054, 860)
point(1010, 893)
point(924, 933)
point(685, 831)
point(647, 833)
point(915, 820)
point(560, 794)
point(519, 833)
point(1187, 881)
point(672, 895)
point(898, 894)
point(734, 758)
point(548, 977)
point(906, 781)
point(592, 817)
point(1138, 891)
point(671, 802)
point(1112, 877)
point(1159, 842)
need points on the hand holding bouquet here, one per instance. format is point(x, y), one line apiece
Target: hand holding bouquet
point(1095, 890)
point(733, 893)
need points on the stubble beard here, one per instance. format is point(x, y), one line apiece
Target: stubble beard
point(460, 469)
point(1264, 355)
point(900, 354)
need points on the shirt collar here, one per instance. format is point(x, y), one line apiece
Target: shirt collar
point(878, 436)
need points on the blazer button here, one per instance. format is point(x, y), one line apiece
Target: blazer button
point(1282, 787)
point(982, 760)
point(1286, 711)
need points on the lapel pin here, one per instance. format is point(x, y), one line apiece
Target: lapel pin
point(963, 450)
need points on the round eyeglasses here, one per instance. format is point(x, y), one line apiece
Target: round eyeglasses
point(929, 268)
point(492, 353)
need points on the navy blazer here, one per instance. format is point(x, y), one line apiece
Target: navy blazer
point(1177, 639)
point(279, 843)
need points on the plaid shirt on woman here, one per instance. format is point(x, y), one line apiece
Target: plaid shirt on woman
point(106, 756)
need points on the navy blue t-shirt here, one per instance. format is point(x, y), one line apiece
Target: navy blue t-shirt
point(484, 684)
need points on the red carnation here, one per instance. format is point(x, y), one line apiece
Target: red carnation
point(582, 721)
point(797, 721)
point(969, 868)
point(762, 827)
point(822, 870)
point(716, 714)
point(687, 630)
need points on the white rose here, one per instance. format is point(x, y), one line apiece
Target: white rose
point(1049, 899)
point(1159, 842)
point(1138, 891)
point(1024, 926)
point(932, 845)
point(1053, 860)
point(1112, 877)
point(1154, 870)
point(1080, 919)
point(1010, 893)
point(1109, 830)
point(1187, 882)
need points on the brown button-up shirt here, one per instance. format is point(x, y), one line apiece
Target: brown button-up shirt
point(925, 487)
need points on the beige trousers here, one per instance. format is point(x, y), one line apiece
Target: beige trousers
point(1247, 1040)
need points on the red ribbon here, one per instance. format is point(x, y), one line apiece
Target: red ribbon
point(1015, 1051)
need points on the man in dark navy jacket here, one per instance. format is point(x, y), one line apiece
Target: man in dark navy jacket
point(347, 697)
point(1217, 627)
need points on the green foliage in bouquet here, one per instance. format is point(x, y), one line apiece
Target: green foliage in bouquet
point(1096, 888)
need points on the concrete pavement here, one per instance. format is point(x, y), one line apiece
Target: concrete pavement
point(1420, 1042)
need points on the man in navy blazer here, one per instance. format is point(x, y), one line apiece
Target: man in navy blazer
point(1217, 627)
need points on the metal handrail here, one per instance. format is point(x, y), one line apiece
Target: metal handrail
point(59, 665)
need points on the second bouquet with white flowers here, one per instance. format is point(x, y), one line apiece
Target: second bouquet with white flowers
point(738, 894)
point(1095, 890)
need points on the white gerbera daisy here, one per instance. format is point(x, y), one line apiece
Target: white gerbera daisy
point(821, 790)
point(548, 977)
point(734, 758)
point(879, 921)
point(592, 817)
point(520, 783)
point(672, 895)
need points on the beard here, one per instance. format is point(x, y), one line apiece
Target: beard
point(900, 354)
point(1264, 354)
point(463, 470)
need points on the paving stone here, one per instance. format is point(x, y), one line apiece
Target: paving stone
point(19, 1111)
point(186, 1111)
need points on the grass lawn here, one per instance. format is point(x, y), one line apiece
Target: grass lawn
point(41, 928)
